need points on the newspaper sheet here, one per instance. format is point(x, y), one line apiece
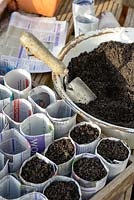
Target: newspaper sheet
point(49, 31)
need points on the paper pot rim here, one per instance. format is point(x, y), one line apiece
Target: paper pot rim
point(31, 116)
point(11, 104)
point(46, 160)
point(60, 120)
point(25, 73)
point(62, 178)
point(58, 140)
point(43, 88)
point(89, 155)
point(82, 123)
point(27, 145)
point(118, 161)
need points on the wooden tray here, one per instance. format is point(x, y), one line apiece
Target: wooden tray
point(120, 188)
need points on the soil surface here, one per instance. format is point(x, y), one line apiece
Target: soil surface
point(109, 72)
point(90, 169)
point(37, 171)
point(61, 190)
point(60, 151)
point(112, 150)
point(84, 134)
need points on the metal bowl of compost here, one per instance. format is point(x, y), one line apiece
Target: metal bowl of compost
point(104, 60)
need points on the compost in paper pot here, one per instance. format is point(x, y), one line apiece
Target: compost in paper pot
point(37, 171)
point(61, 187)
point(86, 136)
point(114, 153)
point(62, 152)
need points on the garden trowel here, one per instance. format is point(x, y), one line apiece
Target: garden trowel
point(77, 90)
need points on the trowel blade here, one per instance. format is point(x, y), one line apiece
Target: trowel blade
point(79, 92)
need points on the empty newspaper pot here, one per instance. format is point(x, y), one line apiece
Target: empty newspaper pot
point(4, 125)
point(89, 188)
point(64, 168)
point(33, 196)
point(41, 97)
point(5, 96)
point(19, 82)
point(115, 167)
point(15, 148)
point(3, 166)
point(61, 179)
point(17, 111)
point(39, 131)
point(88, 146)
point(62, 116)
point(40, 185)
point(89, 42)
point(11, 188)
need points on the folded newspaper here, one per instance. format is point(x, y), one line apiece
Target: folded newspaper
point(48, 30)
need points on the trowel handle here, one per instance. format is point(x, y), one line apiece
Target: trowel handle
point(30, 42)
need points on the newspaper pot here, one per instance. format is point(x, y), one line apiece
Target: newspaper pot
point(62, 116)
point(11, 188)
point(61, 178)
point(40, 97)
point(5, 96)
point(17, 111)
point(4, 125)
point(15, 148)
point(88, 146)
point(38, 186)
point(87, 43)
point(3, 165)
point(33, 196)
point(19, 82)
point(63, 168)
point(39, 131)
point(117, 166)
point(88, 188)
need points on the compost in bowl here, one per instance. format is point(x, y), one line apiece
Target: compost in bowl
point(88, 43)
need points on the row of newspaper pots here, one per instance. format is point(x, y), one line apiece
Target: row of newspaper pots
point(38, 131)
point(17, 151)
point(17, 84)
point(86, 188)
point(11, 188)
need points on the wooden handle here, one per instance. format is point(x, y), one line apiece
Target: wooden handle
point(30, 42)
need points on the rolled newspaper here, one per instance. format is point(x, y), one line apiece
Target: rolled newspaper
point(39, 131)
point(15, 147)
point(19, 82)
point(17, 111)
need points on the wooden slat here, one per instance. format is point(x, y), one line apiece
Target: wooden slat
point(128, 193)
point(129, 3)
point(110, 5)
point(129, 22)
point(64, 12)
point(118, 186)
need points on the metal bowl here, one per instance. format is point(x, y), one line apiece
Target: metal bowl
point(87, 43)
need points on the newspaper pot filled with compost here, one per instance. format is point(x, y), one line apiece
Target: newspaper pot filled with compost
point(114, 153)
point(104, 62)
point(90, 172)
point(62, 152)
point(86, 136)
